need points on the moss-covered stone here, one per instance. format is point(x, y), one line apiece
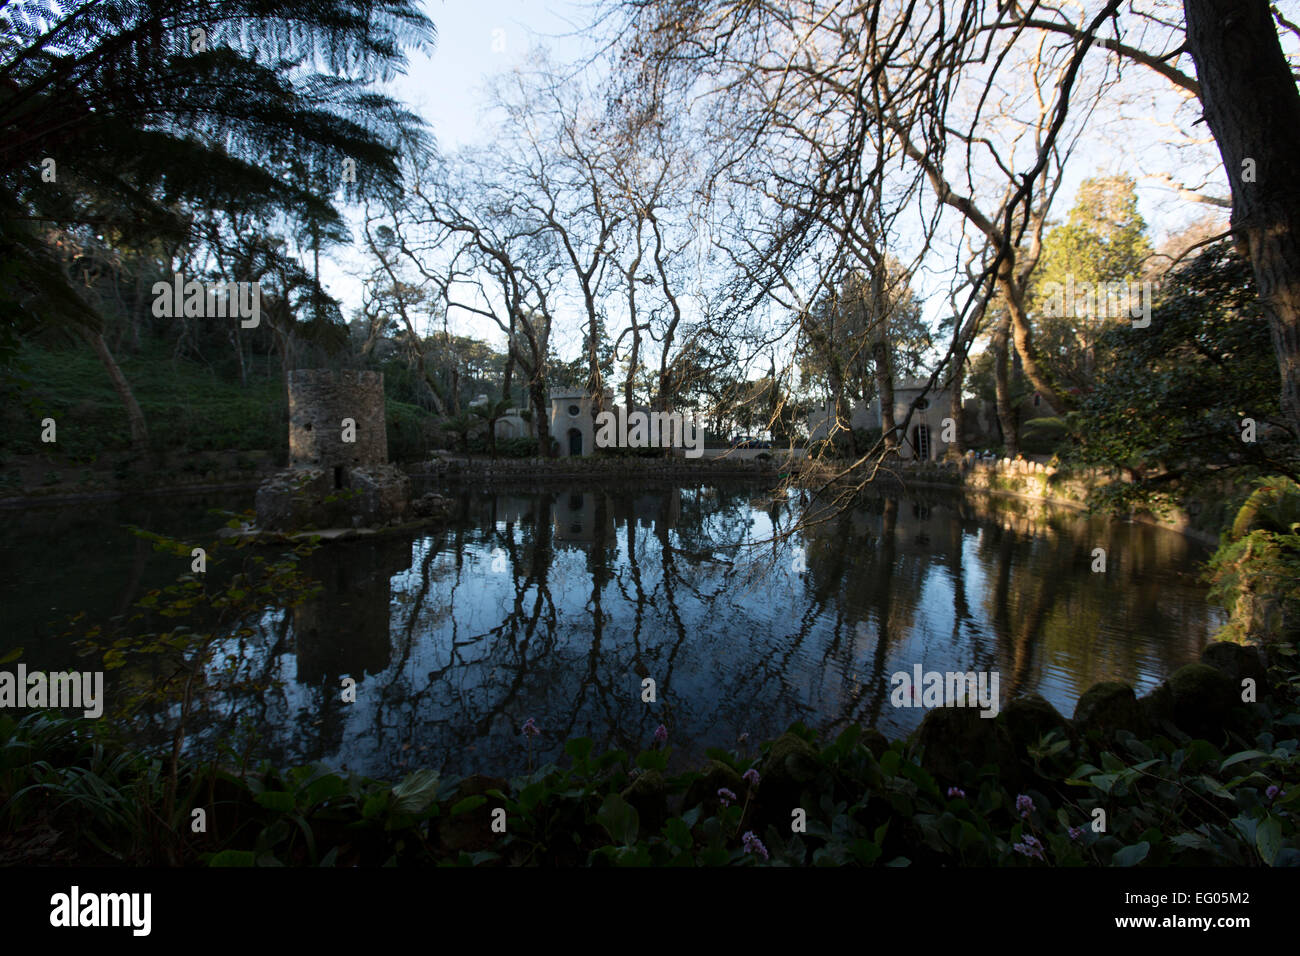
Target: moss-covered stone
point(1107, 707)
point(716, 775)
point(1238, 661)
point(790, 766)
point(1028, 719)
point(1158, 711)
point(956, 742)
point(648, 793)
point(1204, 697)
point(470, 831)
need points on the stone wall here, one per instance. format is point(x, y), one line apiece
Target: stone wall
point(319, 401)
point(1023, 478)
point(629, 466)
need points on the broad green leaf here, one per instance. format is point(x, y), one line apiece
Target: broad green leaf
point(468, 804)
point(1239, 757)
point(579, 748)
point(1215, 787)
point(619, 818)
point(415, 792)
point(1104, 781)
point(234, 858)
point(325, 788)
point(1268, 839)
point(277, 800)
point(1131, 855)
point(678, 833)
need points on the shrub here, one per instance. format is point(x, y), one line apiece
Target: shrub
point(1255, 573)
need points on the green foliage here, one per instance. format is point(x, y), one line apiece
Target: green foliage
point(163, 652)
point(1166, 803)
point(517, 447)
point(1255, 573)
point(276, 98)
point(412, 431)
point(187, 408)
point(1043, 436)
point(1104, 240)
point(1169, 405)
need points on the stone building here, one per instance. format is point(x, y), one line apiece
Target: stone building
point(320, 401)
point(572, 421)
point(338, 474)
point(924, 437)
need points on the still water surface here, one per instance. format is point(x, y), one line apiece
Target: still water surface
point(555, 604)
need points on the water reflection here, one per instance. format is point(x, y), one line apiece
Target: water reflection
point(554, 605)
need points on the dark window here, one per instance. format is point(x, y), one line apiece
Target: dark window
point(338, 476)
point(575, 411)
point(575, 442)
point(921, 441)
point(923, 404)
point(307, 427)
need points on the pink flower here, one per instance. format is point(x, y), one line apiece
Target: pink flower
point(754, 845)
point(1030, 848)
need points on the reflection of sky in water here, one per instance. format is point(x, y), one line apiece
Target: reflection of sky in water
point(555, 606)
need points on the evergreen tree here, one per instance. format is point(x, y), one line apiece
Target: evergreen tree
point(127, 118)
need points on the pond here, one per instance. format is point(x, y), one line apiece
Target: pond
point(557, 604)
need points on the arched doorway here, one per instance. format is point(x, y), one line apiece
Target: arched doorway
point(575, 442)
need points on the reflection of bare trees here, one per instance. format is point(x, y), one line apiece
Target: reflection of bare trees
point(666, 584)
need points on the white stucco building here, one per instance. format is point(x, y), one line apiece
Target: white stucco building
point(925, 432)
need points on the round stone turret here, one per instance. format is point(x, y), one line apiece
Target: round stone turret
point(338, 474)
point(320, 401)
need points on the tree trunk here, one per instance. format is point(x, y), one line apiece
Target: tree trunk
point(958, 446)
point(885, 385)
point(134, 416)
point(1002, 385)
point(537, 389)
point(1253, 109)
point(508, 372)
point(239, 354)
point(844, 416)
point(1030, 363)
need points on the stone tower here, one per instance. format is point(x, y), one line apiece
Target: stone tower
point(320, 401)
point(338, 474)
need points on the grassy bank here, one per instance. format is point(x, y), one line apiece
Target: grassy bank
point(202, 426)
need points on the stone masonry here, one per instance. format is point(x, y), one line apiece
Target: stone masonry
point(338, 474)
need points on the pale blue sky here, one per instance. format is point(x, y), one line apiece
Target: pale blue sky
point(480, 38)
point(476, 40)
